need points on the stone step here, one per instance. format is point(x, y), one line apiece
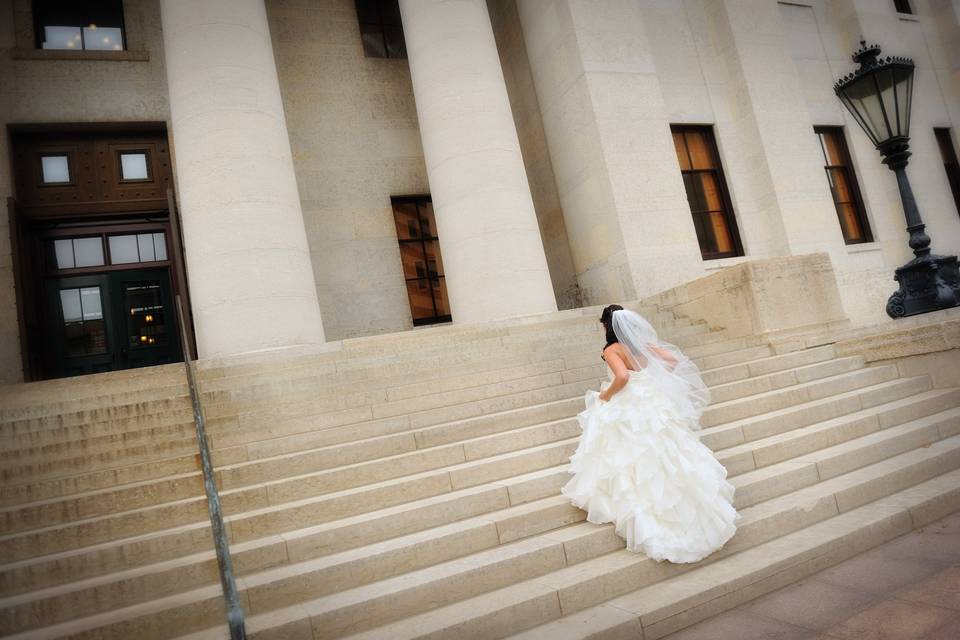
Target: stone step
point(663, 608)
point(143, 414)
point(401, 607)
point(948, 423)
point(267, 483)
point(17, 491)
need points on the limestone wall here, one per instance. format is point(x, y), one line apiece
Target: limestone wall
point(533, 144)
point(37, 88)
point(353, 132)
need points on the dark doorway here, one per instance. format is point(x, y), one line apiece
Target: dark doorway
point(104, 322)
point(420, 255)
point(97, 250)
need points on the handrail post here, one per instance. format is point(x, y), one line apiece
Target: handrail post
point(235, 617)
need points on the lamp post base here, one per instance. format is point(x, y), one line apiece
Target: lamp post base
point(927, 283)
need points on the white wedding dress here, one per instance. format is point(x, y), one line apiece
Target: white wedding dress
point(640, 465)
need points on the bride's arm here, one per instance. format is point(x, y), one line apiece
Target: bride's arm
point(621, 375)
point(664, 355)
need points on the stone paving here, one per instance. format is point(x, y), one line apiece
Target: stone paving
point(906, 589)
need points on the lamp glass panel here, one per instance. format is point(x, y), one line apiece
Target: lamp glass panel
point(863, 97)
point(905, 95)
point(885, 80)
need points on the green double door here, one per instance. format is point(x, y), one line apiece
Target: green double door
point(104, 322)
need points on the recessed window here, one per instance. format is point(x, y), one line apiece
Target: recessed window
point(950, 163)
point(381, 29)
point(843, 185)
point(133, 166)
point(70, 24)
point(55, 169)
point(142, 247)
point(420, 257)
point(903, 6)
point(707, 194)
point(75, 253)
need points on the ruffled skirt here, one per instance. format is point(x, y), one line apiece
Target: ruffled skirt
point(640, 465)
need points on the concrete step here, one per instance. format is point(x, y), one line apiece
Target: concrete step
point(581, 577)
point(663, 608)
point(304, 481)
point(940, 425)
point(22, 481)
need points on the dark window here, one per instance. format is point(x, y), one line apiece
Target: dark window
point(843, 185)
point(381, 29)
point(950, 163)
point(69, 24)
point(420, 255)
point(706, 191)
point(903, 6)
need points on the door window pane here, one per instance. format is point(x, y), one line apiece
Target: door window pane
point(123, 250)
point(133, 166)
point(83, 324)
point(144, 312)
point(380, 28)
point(56, 169)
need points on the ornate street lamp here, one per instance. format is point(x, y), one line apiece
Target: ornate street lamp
point(878, 94)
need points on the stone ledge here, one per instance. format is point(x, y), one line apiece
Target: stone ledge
point(59, 54)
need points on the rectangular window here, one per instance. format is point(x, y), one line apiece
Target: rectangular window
point(69, 24)
point(707, 193)
point(950, 163)
point(381, 29)
point(843, 185)
point(903, 6)
point(420, 257)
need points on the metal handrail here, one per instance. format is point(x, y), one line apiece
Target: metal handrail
point(235, 617)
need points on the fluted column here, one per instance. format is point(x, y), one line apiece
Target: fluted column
point(251, 280)
point(492, 251)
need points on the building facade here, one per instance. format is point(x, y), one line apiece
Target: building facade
point(301, 171)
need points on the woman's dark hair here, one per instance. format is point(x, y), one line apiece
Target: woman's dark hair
point(606, 319)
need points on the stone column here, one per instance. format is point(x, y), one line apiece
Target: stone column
point(490, 241)
point(251, 281)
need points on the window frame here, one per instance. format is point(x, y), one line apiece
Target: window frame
point(38, 33)
point(951, 164)
point(859, 207)
point(381, 29)
point(903, 6)
point(421, 240)
point(729, 215)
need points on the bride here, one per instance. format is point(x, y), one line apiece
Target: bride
point(640, 463)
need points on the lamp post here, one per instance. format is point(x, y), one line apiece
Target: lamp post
point(879, 95)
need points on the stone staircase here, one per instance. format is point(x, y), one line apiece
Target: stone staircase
point(407, 486)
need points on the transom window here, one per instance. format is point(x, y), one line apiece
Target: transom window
point(420, 255)
point(72, 24)
point(104, 250)
point(55, 169)
point(843, 185)
point(134, 166)
point(707, 194)
point(381, 29)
